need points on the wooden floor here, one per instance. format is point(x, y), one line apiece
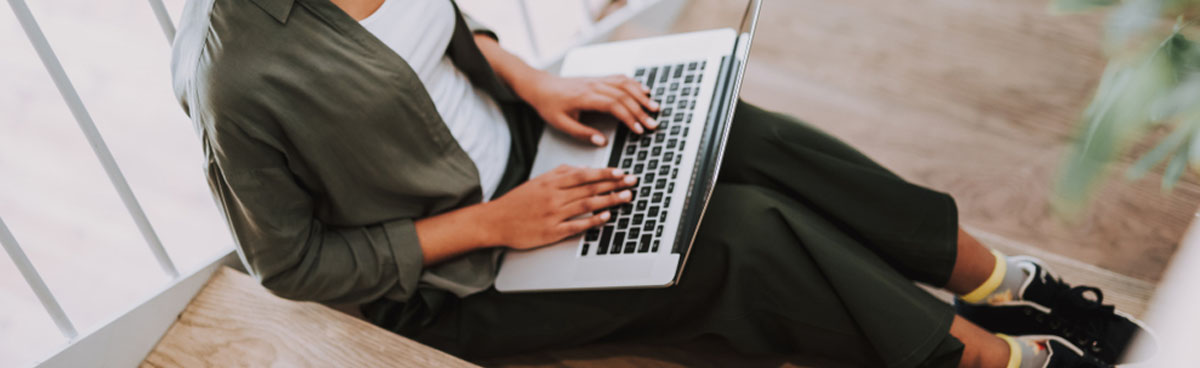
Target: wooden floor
point(977, 99)
point(235, 322)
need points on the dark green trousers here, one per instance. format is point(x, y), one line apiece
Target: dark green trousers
point(808, 247)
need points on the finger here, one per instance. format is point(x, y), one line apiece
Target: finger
point(583, 176)
point(573, 227)
point(599, 100)
point(578, 130)
point(601, 187)
point(637, 90)
point(596, 203)
point(630, 103)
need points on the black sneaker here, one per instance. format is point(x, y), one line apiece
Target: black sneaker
point(1063, 354)
point(1045, 305)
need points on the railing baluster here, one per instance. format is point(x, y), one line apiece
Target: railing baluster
point(164, 19)
point(34, 280)
point(75, 104)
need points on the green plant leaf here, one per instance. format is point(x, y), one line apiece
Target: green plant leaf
point(1148, 161)
point(1175, 168)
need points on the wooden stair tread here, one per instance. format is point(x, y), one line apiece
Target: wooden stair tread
point(234, 321)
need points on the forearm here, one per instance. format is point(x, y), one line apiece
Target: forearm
point(454, 233)
point(519, 75)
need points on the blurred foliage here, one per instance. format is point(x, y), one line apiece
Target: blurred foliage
point(1151, 83)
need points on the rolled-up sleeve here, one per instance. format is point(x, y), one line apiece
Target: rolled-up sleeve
point(292, 253)
point(479, 28)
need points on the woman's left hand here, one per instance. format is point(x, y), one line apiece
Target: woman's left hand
point(560, 101)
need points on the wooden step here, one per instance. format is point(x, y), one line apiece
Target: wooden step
point(234, 321)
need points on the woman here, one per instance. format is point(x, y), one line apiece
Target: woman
point(378, 153)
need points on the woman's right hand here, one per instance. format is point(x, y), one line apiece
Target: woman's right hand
point(542, 210)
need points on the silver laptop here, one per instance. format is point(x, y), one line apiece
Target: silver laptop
point(695, 77)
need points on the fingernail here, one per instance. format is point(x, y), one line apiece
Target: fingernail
point(625, 195)
point(651, 123)
point(645, 89)
point(654, 105)
point(605, 215)
point(598, 140)
point(630, 179)
point(618, 172)
point(638, 129)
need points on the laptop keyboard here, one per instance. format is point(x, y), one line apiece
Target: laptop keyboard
point(655, 157)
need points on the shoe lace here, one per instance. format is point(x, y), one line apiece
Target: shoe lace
point(1080, 318)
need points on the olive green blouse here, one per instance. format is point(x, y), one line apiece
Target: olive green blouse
point(322, 147)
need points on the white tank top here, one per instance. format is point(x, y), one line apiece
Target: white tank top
point(419, 31)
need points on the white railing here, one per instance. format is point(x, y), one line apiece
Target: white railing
point(65, 88)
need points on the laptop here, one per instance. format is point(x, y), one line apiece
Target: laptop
point(695, 77)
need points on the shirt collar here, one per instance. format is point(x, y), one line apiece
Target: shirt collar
point(279, 9)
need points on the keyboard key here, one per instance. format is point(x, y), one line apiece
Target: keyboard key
point(642, 71)
point(638, 218)
point(670, 99)
point(634, 232)
point(642, 157)
point(625, 164)
point(659, 91)
point(650, 225)
point(627, 208)
point(657, 198)
point(663, 171)
point(657, 151)
point(593, 234)
point(667, 111)
point(671, 188)
point(678, 118)
point(671, 143)
point(691, 65)
point(686, 91)
point(645, 191)
point(585, 249)
point(637, 169)
point(678, 159)
point(662, 217)
point(618, 239)
point(689, 79)
point(678, 70)
point(605, 236)
point(650, 78)
point(629, 149)
point(630, 247)
point(649, 178)
point(675, 86)
point(659, 230)
point(644, 245)
point(641, 205)
point(659, 137)
point(653, 211)
point(668, 201)
point(666, 72)
point(646, 140)
point(653, 165)
point(661, 184)
point(674, 172)
point(654, 248)
point(622, 224)
point(670, 155)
